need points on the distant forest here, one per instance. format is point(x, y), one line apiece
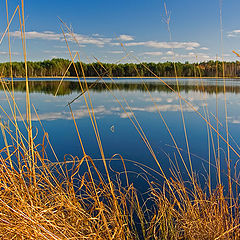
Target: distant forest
point(57, 67)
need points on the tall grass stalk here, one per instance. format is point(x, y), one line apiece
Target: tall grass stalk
point(42, 198)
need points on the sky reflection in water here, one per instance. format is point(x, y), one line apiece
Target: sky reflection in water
point(118, 134)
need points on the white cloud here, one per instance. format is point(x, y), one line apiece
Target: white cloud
point(124, 37)
point(169, 100)
point(53, 56)
point(170, 108)
point(47, 35)
point(116, 52)
point(125, 114)
point(78, 114)
point(190, 48)
point(155, 44)
point(163, 108)
point(61, 47)
point(170, 53)
point(234, 120)
point(153, 53)
point(155, 99)
point(100, 42)
point(100, 110)
point(55, 52)
point(199, 56)
point(191, 56)
point(7, 53)
point(204, 48)
point(4, 53)
point(234, 33)
point(115, 44)
point(115, 109)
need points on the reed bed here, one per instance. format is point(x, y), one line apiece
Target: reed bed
point(42, 200)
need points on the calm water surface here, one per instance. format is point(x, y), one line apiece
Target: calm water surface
point(118, 135)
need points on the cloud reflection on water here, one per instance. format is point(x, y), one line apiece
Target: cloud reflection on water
point(65, 115)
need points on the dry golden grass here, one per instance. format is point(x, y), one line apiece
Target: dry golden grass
point(42, 200)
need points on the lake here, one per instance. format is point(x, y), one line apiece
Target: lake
point(119, 135)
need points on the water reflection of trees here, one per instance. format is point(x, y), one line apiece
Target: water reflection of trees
point(68, 87)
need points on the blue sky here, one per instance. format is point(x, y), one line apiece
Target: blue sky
point(100, 27)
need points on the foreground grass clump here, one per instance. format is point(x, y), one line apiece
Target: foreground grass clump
point(35, 205)
point(46, 201)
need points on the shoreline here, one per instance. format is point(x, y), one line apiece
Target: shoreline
point(60, 77)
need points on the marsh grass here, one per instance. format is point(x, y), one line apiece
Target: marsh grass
point(40, 199)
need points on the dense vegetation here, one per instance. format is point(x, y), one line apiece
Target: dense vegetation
point(57, 67)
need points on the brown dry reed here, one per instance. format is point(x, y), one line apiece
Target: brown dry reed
point(40, 199)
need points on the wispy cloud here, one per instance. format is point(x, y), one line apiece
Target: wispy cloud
point(60, 46)
point(234, 120)
point(170, 53)
point(115, 44)
point(116, 52)
point(7, 53)
point(234, 33)
point(124, 37)
point(162, 108)
point(166, 45)
point(204, 48)
point(169, 100)
point(48, 35)
point(4, 53)
point(100, 42)
point(54, 52)
point(129, 41)
point(155, 99)
point(191, 56)
point(153, 53)
point(78, 114)
point(152, 109)
point(165, 108)
point(125, 114)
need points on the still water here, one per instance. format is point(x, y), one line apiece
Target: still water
point(117, 132)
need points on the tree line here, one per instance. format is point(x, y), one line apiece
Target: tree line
point(58, 66)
